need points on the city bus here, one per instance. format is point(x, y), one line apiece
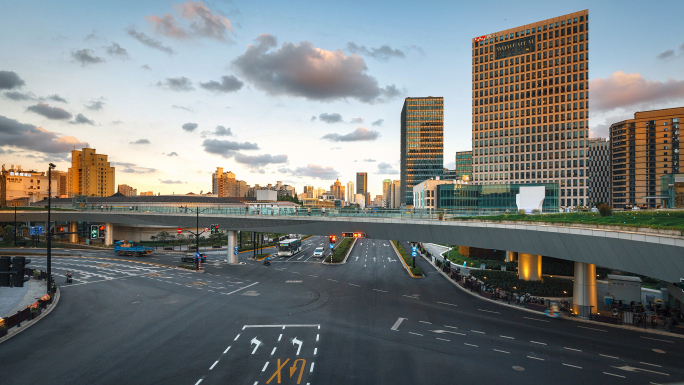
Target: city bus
point(289, 247)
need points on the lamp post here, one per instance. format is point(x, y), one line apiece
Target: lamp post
point(197, 235)
point(49, 231)
point(15, 225)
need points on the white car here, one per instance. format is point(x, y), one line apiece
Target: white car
point(318, 252)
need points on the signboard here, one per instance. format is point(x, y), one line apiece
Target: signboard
point(179, 230)
point(415, 248)
point(485, 37)
point(235, 252)
point(331, 245)
point(515, 47)
point(197, 255)
point(235, 249)
point(206, 229)
point(482, 266)
point(413, 254)
point(36, 230)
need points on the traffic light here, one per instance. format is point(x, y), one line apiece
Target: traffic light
point(18, 276)
point(213, 229)
point(94, 231)
point(5, 263)
point(101, 233)
point(217, 229)
point(332, 238)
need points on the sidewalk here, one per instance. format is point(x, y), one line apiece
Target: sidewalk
point(13, 299)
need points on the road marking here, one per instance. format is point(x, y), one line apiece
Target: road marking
point(238, 336)
point(443, 339)
point(283, 326)
point(331, 280)
point(256, 342)
point(242, 288)
point(475, 331)
point(355, 285)
point(316, 337)
point(415, 296)
point(603, 355)
point(380, 290)
point(655, 339)
point(646, 363)
point(200, 380)
point(628, 368)
point(452, 327)
point(279, 337)
point(264, 368)
point(510, 338)
point(572, 366)
point(501, 351)
point(425, 322)
point(444, 303)
point(311, 371)
point(315, 276)
point(416, 334)
point(584, 327)
point(396, 324)
point(226, 351)
point(489, 311)
point(212, 366)
point(576, 350)
point(539, 343)
point(616, 375)
point(536, 319)
point(315, 351)
point(470, 344)
point(535, 358)
point(272, 352)
point(295, 341)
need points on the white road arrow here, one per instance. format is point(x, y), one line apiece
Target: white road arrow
point(391, 260)
point(295, 341)
point(357, 258)
point(256, 342)
point(373, 259)
point(633, 369)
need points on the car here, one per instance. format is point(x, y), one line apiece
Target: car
point(190, 257)
point(318, 252)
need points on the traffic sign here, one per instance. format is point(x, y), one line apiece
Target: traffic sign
point(206, 229)
point(413, 254)
point(415, 248)
point(331, 246)
point(179, 230)
point(197, 254)
point(235, 249)
point(235, 252)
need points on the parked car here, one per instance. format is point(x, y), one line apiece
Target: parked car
point(318, 252)
point(190, 257)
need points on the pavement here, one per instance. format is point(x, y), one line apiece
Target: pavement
point(301, 322)
point(10, 297)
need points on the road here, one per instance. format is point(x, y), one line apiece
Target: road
point(302, 322)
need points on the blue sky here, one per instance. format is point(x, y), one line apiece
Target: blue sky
point(269, 96)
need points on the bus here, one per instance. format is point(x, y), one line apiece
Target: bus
point(289, 247)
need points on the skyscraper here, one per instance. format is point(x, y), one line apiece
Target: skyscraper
point(464, 165)
point(530, 105)
point(598, 171)
point(337, 190)
point(350, 192)
point(422, 142)
point(90, 174)
point(362, 183)
point(387, 193)
point(224, 184)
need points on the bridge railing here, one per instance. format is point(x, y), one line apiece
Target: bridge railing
point(301, 211)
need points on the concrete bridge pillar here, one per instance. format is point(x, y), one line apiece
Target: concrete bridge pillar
point(511, 256)
point(109, 234)
point(73, 227)
point(529, 267)
point(584, 290)
point(232, 244)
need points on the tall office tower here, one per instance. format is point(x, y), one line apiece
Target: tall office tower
point(90, 174)
point(396, 194)
point(598, 171)
point(337, 190)
point(387, 193)
point(350, 192)
point(531, 105)
point(643, 150)
point(422, 142)
point(223, 184)
point(369, 201)
point(308, 190)
point(362, 183)
point(318, 192)
point(464, 165)
point(127, 190)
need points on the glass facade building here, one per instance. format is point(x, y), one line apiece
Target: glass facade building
point(422, 143)
point(530, 105)
point(492, 196)
point(464, 165)
point(598, 162)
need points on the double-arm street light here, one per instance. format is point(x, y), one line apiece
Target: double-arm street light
point(49, 231)
point(197, 234)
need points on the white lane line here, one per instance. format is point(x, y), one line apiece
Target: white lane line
point(576, 350)
point(279, 337)
point(200, 380)
point(425, 322)
point(470, 344)
point(510, 338)
point(603, 355)
point(355, 285)
point(315, 351)
point(226, 351)
point(383, 291)
point(238, 336)
point(655, 339)
point(315, 276)
point(452, 327)
point(539, 343)
point(444, 303)
point(646, 363)
point(443, 339)
point(598, 330)
point(264, 368)
point(501, 351)
point(489, 311)
point(572, 366)
point(616, 375)
point(212, 366)
point(331, 280)
point(410, 296)
point(316, 337)
point(535, 358)
point(415, 334)
point(536, 319)
point(475, 331)
point(242, 288)
point(311, 371)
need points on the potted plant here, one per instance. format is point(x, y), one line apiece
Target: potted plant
point(35, 310)
point(3, 328)
point(36, 274)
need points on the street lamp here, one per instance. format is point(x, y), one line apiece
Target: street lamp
point(197, 234)
point(49, 231)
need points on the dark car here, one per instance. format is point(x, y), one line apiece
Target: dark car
point(191, 257)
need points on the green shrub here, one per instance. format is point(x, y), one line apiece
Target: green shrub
point(408, 259)
point(341, 250)
point(605, 210)
point(549, 287)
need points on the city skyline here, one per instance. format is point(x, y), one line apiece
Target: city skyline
point(134, 81)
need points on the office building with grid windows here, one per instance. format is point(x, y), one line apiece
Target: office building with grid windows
point(530, 104)
point(422, 143)
point(598, 170)
point(464, 165)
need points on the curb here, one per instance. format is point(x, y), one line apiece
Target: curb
point(345, 258)
point(574, 319)
point(404, 262)
point(30, 323)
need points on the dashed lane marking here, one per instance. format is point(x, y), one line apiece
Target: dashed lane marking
point(355, 285)
point(417, 334)
point(265, 366)
point(425, 322)
point(332, 280)
point(226, 351)
point(475, 331)
point(451, 327)
point(575, 350)
point(510, 338)
point(312, 365)
point(501, 351)
point(598, 330)
point(489, 311)
point(536, 319)
point(646, 363)
point(382, 291)
point(655, 339)
point(538, 343)
point(572, 366)
point(238, 336)
point(603, 355)
point(470, 345)
point(535, 358)
point(444, 303)
point(212, 366)
point(615, 375)
point(442, 339)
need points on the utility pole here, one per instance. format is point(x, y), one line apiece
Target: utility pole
point(15, 225)
point(49, 231)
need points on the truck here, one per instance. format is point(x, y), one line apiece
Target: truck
point(128, 248)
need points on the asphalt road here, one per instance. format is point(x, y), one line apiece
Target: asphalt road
point(302, 322)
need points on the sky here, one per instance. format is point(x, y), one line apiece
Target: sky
point(302, 92)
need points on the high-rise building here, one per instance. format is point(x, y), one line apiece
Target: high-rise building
point(20, 187)
point(127, 190)
point(350, 192)
point(530, 104)
point(318, 192)
point(422, 142)
point(598, 171)
point(377, 201)
point(63, 177)
point(396, 194)
point(369, 201)
point(90, 174)
point(387, 193)
point(337, 190)
point(362, 183)
point(642, 150)
point(464, 165)
point(223, 184)
point(309, 191)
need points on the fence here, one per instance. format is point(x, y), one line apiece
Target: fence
point(27, 314)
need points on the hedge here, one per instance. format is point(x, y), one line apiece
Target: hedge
point(341, 250)
point(408, 259)
point(549, 287)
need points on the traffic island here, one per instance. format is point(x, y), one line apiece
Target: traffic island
point(341, 252)
point(26, 316)
point(406, 260)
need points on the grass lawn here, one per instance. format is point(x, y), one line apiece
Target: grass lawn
point(666, 220)
point(454, 256)
point(408, 259)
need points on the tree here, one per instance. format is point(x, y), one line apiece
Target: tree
point(163, 236)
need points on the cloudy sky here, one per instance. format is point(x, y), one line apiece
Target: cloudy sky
point(299, 91)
